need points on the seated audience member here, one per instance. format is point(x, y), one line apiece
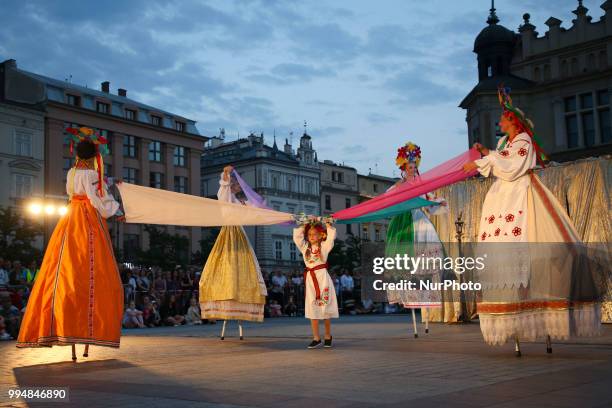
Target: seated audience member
point(193, 313)
point(290, 308)
point(132, 317)
point(171, 313)
point(10, 314)
point(275, 309)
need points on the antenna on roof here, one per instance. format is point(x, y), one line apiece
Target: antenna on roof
point(69, 79)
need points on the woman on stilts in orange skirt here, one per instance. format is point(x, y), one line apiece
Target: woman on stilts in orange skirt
point(77, 297)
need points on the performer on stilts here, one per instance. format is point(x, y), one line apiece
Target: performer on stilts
point(77, 297)
point(523, 299)
point(232, 286)
point(413, 233)
point(315, 241)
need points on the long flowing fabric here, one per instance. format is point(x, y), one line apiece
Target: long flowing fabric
point(253, 198)
point(442, 175)
point(392, 211)
point(147, 205)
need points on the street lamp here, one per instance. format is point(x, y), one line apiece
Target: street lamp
point(459, 224)
point(46, 207)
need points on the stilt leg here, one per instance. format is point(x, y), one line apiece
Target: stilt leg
point(240, 330)
point(414, 324)
point(86, 351)
point(223, 330)
point(517, 346)
point(425, 312)
point(73, 353)
point(548, 345)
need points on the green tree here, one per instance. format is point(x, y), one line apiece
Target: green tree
point(165, 250)
point(17, 236)
point(346, 254)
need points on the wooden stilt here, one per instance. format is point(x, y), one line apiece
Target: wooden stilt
point(240, 329)
point(86, 351)
point(73, 353)
point(414, 324)
point(517, 346)
point(548, 345)
point(223, 330)
point(425, 313)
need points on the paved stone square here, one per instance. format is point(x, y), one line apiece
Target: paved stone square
point(375, 362)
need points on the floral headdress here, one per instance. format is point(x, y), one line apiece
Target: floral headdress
point(77, 135)
point(409, 153)
point(519, 117)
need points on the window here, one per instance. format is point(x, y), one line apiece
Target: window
point(129, 146)
point(156, 180)
point(290, 184)
point(179, 126)
point(23, 185)
point(489, 71)
point(586, 101)
point(349, 229)
point(308, 187)
point(130, 175)
point(131, 245)
point(571, 126)
point(155, 152)
point(274, 181)
point(588, 128)
point(365, 233)
point(67, 166)
point(377, 234)
point(276, 207)
point(180, 184)
point(23, 143)
point(375, 188)
point(108, 169)
point(347, 202)
point(328, 202)
point(102, 107)
point(179, 156)
point(156, 120)
point(278, 250)
point(604, 125)
point(570, 104)
point(130, 114)
point(292, 251)
point(73, 100)
point(340, 177)
point(603, 97)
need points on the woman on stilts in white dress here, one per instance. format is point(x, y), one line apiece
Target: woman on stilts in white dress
point(537, 285)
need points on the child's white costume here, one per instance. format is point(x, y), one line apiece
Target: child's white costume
point(321, 300)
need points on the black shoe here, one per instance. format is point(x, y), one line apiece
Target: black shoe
point(328, 342)
point(314, 344)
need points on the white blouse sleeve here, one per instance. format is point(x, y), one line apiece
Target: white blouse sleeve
point(225, 191)
point(511, 162)
point(106, 205)
point(298, 238)
point(328, 244)
point(438, 209)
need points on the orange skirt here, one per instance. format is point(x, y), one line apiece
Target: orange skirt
point(77, 295)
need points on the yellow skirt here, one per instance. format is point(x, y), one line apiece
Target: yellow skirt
point(230, 288)
point(77, 296)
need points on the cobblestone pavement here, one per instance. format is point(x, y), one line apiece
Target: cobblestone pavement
point(375, 362)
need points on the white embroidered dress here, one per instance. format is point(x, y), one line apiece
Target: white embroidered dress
point(526, 291)
point(327, 306)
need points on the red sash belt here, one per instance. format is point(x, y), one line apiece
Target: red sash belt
point(313, 275)
point(78, 197)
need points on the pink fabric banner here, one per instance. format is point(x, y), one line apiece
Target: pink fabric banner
point(442, 175)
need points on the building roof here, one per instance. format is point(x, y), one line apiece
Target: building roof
point(249, 148)
point(490, 85)
point(55, 89)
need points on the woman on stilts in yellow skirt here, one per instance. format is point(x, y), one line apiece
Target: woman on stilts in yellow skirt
point(78, 297)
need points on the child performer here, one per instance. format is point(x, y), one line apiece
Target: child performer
point(315, 241)
point(77, 296)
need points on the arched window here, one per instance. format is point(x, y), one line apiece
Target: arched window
point(547, 75)
point(574, 66)
point(564, 69)
point(536, 74)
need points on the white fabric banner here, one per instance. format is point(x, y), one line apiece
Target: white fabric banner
point(146, 205)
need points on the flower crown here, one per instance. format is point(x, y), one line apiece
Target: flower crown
point(77, 135)
point(409, 153)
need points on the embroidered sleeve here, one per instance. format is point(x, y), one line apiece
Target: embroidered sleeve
point(298, 238)
point(106, 205)
point(511, 162)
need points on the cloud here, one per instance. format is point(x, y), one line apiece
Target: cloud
point(291, 73)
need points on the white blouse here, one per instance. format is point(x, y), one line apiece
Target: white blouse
point(85, 182)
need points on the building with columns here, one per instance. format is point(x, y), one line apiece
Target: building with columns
point(148, 146)
point(288, 179)
point(561, 79)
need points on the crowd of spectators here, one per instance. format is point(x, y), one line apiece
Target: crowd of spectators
point(156, 297)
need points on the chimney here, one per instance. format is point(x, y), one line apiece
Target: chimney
point(105, 86)
point(122, 92)
point(10, 63)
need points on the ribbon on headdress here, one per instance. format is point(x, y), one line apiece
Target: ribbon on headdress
point(505, 101)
